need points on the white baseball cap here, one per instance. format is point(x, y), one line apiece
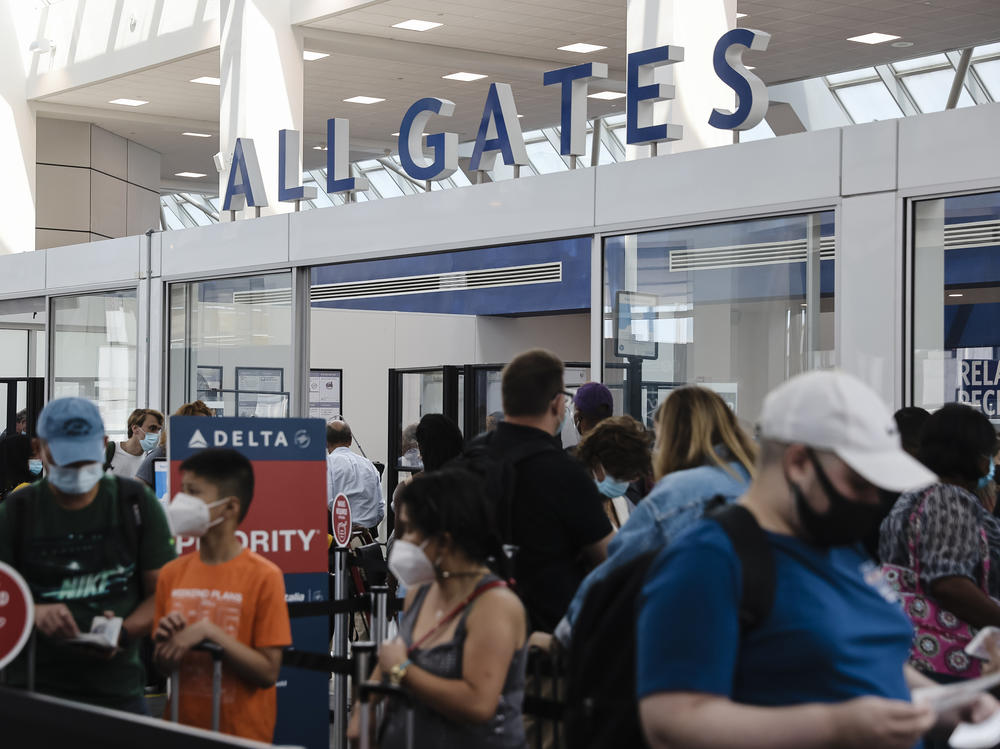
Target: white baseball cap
point(835, 411)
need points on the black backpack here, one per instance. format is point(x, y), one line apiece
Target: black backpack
point(602, 708)
point(129, 494)
point(498, 469)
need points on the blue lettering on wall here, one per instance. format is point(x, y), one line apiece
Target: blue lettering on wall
point(443, 145)
point(573, 103)
point(750, 90)
point(641, 92)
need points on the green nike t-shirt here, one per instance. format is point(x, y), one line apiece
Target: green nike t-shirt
point(86, 560)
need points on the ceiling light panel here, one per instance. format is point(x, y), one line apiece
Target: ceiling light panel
point(309, 56)
point(607, 95)
point(872, 38)
point(198, 135)
point(463, 77)
point(191, 175)
point(582, 48)
point(207, 80)
point(129, 102)
point(415, 24)
point(363, 100)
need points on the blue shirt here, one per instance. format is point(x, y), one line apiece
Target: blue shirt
point(831, 635)
point(676, 503)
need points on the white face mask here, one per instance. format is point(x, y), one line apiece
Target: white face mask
point(189, 516)
point(409, 564)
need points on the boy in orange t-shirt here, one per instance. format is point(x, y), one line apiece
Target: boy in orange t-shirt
point(225, 594)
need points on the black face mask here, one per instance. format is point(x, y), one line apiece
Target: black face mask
point(844, 523)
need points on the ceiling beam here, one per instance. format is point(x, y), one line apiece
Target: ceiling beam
point(92, 114)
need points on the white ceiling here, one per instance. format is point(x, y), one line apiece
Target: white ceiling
point(513, 42)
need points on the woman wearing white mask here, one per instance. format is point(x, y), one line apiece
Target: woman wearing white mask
point(617, 452)
point(462, 646)
point(124, 458)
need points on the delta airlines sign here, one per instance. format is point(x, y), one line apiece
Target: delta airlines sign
point(499, 131)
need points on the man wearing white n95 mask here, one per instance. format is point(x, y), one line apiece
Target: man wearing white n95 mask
point(88, 544)
point(826, 666)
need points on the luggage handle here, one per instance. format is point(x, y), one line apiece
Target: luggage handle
point(215, 650)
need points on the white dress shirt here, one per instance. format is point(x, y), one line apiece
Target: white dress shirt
point(357, 479)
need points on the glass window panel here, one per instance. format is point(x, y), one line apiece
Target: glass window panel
point(384, 183)
point(930, 90)
point(920, 62)
point(956, 341)
point(868, 102)
point(988, 49)
point(679, 309)
point(94, 353)
point(14, 344)
point(230, 344)
point(851, 76)
point(989, 73)
point(544, 158)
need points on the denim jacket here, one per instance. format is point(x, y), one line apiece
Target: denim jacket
point(676, 503)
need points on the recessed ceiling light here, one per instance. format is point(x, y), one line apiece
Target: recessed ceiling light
point(192, 175)
point(395, 135)
point(741, 15)
point(129, 102)
point(198, 135)
point(319, 148)
point(873, 38)
point(520, 117)
point(901, 45)
point(463, 77)
point(955, 295)
point(310, 56)
point(207, 80)
point(416, 25)
point(607, 95)
point(582, 47)
point(751, 67)
point(363, 100)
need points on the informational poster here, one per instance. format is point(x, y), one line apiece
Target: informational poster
point(325, 393)
point(634, 317)
point(260, 392)
point(287, 525)
point(979, 385)
point(209, 388)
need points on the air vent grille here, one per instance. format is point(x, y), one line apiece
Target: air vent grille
point(486, 278)
point(973, 234)
point(747, 255)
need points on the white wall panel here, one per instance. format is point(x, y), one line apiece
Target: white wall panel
point(790, 169)
point(869, 258)
point(500, 339)
point(64, 142)
point(108, 153)
point(551, 205)
point(229, 246)
point(869, 158)
point(143, 166)
point(46, 238)
point(63, 198)
point(107, 205)
point(110, 260)
point(142, 210)
point(947, 147)
point(22, 272)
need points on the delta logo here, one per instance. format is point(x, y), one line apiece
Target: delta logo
point(247, 438)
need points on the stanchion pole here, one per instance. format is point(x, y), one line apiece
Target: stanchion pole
point(340, 630)
point(380, 605)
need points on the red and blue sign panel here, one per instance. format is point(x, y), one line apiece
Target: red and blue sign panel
point(287, 525)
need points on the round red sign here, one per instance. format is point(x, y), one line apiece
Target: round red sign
point(341, 520)
point(17, 613)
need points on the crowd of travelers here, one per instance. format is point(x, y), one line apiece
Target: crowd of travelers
point(800, 587)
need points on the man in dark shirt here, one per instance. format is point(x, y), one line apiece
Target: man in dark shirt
point(558, 520)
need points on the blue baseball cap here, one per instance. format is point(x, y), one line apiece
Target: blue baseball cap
point(73, 430)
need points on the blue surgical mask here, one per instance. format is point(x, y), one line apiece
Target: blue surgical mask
point(611, 487)
point(149, 441)
point(75, 480)
point(984, 481)
point(35, 466)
